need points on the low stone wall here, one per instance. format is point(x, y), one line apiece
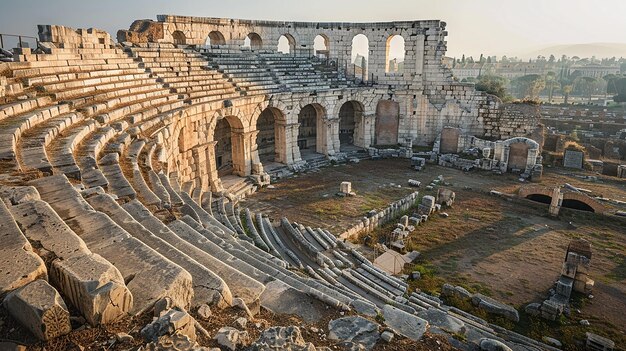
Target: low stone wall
point(368, 224)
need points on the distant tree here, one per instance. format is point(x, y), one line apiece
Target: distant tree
point(610, 80)
point(504, 59)
point(552, 82)
point(620, 86)
point(463, 59)
point(551, 59)
point(481, 59)
point(529, 86)
point(489, 59)
point(587, 86)
point(494, 85)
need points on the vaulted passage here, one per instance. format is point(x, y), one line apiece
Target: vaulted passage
point(266, 138)
point(544, 199)
point(577, 205)
point(350, 116)
point(223, 148)
point(309, 120)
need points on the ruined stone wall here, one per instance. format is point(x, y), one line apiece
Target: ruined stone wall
point(510, 120)
point(66, 37)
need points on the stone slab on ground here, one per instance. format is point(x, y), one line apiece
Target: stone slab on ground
point(404, 323)
point(354, 329)
point(280, 298)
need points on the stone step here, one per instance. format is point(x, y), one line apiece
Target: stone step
point(207, 287)
point(92, 284)
point(19, 265)
point(148, 275)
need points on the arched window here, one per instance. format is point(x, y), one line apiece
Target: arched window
point(179, 38)
point(321, 45)
point(253, 41)
point(360, 55)
point(395, 54)
point(215, 38)
point(286, 44)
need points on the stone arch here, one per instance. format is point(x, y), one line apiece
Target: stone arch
point(253, 41)
point(227, 132)
point(286, 44)
point(571, 199)
point(311, 131)
point(215, 38)
point(350, 117)
point(270, 138)
point(321, 45)
point(394, 50)
point(178, 38)
point(359, 58)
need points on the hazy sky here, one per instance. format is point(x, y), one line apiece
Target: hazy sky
point(494, 27)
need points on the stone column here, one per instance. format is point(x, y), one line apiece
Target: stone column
point(328, 141)
point(531, 160)
point(242, 154)
point(557, 201)
point(364, 131)
point(251, 147)
point(293, 144)
point(213, 178)
point(282, 137)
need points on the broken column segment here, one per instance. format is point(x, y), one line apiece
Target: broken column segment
point(39, 307)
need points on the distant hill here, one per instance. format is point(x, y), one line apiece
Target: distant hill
point(599, 50)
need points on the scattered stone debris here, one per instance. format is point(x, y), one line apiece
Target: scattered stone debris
point(231, 338)
point(282, 338)
point(170, 322)
point(598, 343)
point(354, 329)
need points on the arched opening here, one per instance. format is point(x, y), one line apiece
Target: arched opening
point(215, 38)
point(395, 54)
point(309, 120)
point(286, 44)
point(266, 139)
point(321, 46)
point(544, 199)
point(253, 41)
point(223, 147)
point(350, 115)
point(360, 56)
point(518, 156)
point(179, 38)
point(577, 205)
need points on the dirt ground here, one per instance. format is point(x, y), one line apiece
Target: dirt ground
point(507, 248)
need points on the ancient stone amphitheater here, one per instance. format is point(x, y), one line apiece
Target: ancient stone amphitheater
point(123, 162)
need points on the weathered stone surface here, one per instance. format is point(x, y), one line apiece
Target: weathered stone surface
point(354, 329)
point(176, 342)
point(231, 338)
point(39, 308)
point(92, 284)
point(492, 306)
point(19, 265)
point(403, 323)
point(204, 312)
point(280, 298)
point(282, 338)
point(364, 308)
point(169, 323)
point(387, 336)
point(442, 321)
point(486, 344)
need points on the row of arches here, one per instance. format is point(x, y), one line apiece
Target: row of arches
point(270, 134)
point(394, 48)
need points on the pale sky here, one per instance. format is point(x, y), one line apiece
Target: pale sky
point(492, 27)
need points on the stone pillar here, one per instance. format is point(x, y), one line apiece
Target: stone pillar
point(213, 178)
point(504, 161)
point(291, 149)
point(328, 141)
point(364, 131)
point(531, 160)
point(242, 153)
point(557, 201)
